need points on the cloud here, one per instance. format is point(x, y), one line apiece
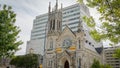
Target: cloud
point(24, 21)
point(26, 11)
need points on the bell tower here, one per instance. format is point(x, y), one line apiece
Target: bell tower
point(54, 29)
point(54, 20)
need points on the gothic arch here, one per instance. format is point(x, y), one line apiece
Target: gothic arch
point(65, 61)
point(51, 43)
point(53, 24)
point(66, 64)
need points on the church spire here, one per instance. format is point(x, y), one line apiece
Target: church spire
point(54, 20)
point(61, 6)
point(49, 7)
point(56, 4)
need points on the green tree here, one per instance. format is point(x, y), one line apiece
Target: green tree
point(109, 19)
point(117, 53)
point(8, 33)
point(96, 64)
point(31, 60)
point(106, 66)
point(26, 61)
point(17, 61)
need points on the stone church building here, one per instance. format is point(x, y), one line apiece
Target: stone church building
point(66, 48)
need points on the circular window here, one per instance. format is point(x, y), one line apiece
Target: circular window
point(67, 42)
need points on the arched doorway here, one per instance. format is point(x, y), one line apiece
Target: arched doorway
point(66, 64)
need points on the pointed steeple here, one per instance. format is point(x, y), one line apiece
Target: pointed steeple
point(49, 7)
point(54, 20)
point(61, 9)
point(56, 7)
point(61, 6)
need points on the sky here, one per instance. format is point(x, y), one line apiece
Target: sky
point(27, 10)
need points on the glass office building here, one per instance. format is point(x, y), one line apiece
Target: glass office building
point(71, 17)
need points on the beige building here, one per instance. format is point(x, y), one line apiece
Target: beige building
point(108, 57)
point(66, 48)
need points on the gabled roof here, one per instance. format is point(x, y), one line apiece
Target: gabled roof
point(99, 50)
point(68, 30)
point(66, 27)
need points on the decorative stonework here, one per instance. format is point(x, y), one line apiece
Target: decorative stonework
point(69, 48)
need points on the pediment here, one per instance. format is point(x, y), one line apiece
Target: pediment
point(67, 32)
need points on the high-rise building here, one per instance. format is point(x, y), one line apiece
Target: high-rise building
point(70, 16)
point(108, 57)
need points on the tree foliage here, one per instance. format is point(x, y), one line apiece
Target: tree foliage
point(8, 32)
point(96, 64)
point(109, 29)
point(109, 17)
point(25, 61)
point(106, 66)
point(117, 53)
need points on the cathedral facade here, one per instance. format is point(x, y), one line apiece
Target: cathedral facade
point(65, 48)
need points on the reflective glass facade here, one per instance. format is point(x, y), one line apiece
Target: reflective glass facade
point(71, 16)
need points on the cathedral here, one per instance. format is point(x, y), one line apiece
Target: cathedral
point(65, 48)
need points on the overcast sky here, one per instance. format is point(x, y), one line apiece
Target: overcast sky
point(27, 10)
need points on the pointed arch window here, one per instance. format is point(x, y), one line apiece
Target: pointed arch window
point(50, 24)
point(59, 25)
point(50, 62)
point(79, 63)
point(53, 24)
point(51, 44)
point(79, 44)
point(67, 42)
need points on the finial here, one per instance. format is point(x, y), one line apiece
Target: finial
point(49, 6)
point(56, 4)
point(61, 5)
point(56, 1)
